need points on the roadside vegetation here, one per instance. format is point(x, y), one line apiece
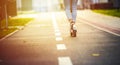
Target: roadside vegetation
point(111, 12)
point(12, 25)
point(4, 32)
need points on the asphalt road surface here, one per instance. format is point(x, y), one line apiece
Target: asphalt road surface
point(47, 41)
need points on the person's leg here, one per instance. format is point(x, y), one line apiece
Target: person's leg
point(67, 9)
point(74, 9)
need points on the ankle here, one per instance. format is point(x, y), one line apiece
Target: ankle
point(70, 20)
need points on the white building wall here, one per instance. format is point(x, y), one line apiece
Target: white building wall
point(95, 1)
point(103, 1)
point(100, 1)
point(45, 5)
point(18, 4)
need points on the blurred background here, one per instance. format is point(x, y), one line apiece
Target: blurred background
point(11, 7)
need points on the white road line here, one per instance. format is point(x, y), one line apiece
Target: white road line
point(59, 38)
point(61, 60)
point(95, 54)
point(58, 34)
point(61, 47)
point(64, 61)
point(56, 29)
point(101, 28)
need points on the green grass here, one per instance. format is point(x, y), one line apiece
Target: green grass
point(5, 32)
point(19, 21)
point(111, 12)
point(16, 22)
point(12, 22)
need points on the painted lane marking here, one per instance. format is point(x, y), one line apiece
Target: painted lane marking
point(61, 47)
point(103, 28)
point(59, 38)
point(56, 29)
point(64, 61)
point(58, 34)
point(95, 54)
point(61, 60)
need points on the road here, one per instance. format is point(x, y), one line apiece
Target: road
point(47, 41)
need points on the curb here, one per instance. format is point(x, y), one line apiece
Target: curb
point(8, 35)
point(109, 29)
point(20, 28)
point(11, 33)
